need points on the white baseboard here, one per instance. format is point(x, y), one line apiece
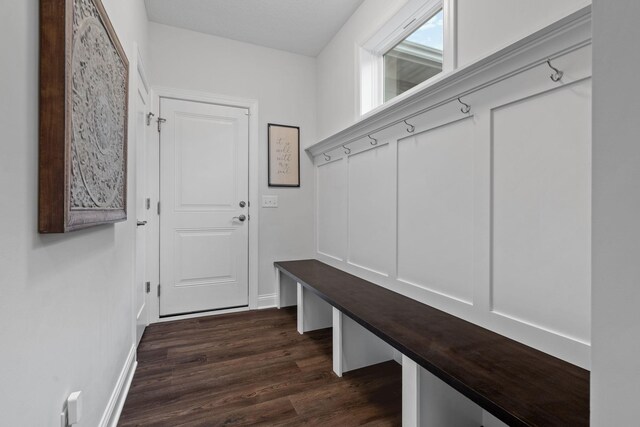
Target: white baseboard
point(266, 301)
point(119, 395)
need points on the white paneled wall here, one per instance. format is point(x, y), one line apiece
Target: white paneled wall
point(484, 215)
point(542, 210)
point(332, 208)
point(435, 210)
point(371, 218)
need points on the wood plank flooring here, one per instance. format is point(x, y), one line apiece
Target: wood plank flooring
point(253, 368)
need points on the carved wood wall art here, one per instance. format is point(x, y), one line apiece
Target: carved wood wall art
point(84, 75)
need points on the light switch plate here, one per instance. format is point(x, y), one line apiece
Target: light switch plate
point(269, 201)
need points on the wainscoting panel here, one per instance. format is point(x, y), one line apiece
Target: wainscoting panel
point(483, 213)
point(435, 210)
point(332, 209)
point(371, 208)
point(541, 210)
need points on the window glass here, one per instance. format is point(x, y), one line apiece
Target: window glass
point(415, 59)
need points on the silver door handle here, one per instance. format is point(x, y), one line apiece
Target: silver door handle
point(141, 223)
point(240, 218)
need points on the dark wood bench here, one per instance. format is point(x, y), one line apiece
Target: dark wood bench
point(519, 385)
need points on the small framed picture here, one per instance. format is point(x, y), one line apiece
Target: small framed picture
point(284, 156)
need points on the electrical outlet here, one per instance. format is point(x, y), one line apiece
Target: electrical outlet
point(74, 408)
point(269, 201)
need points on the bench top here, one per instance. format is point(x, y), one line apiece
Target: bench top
point(518, 384)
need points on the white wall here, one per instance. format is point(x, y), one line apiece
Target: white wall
point(66, 304)
point(483, 27)
point(338, 102)
point(284, 85)
point(615, 375)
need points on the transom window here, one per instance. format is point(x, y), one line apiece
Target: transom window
point(415, 59)
point(415, 45)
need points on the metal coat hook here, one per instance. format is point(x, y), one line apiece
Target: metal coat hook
point(373, 140)
point(347, 150)
point(465, 107)
point(327, 157)
point(410, 128)
point(557, 74)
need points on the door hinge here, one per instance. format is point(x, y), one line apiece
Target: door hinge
point(148, 287)
point(160, 121)
point(158, 290)
point(158, 208)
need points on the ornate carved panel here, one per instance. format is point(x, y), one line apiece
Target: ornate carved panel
point(83, 117)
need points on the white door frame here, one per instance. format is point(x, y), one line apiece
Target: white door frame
point(140, 78)
point(254, 203)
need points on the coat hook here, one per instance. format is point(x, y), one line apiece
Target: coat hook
point(373, 140)
point(557, 74)
point(411, 128)
point(465, 107)
point(347, 150)
point(327, 157)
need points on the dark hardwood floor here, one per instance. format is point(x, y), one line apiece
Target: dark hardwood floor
point(253, 368)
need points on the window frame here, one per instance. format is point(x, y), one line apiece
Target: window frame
point(404, 23)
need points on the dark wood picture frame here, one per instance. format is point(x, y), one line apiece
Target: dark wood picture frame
point(276, 164)
point(56, 128)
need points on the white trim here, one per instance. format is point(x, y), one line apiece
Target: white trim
point(557, 39)
point(114, 407)
point(450, 39)
point(141, 69)
point(267, 301)
point(141, 76)
point(254, 182)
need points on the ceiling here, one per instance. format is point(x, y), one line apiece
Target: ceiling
point(299, 26)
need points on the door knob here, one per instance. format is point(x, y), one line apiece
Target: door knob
point(141, 223)
point(242, 204)
point(240, 218)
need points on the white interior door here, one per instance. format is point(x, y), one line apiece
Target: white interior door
point(204, 187)
point(142, 108)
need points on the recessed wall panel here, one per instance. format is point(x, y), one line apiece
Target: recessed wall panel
point(371, 207)
point(541, 210)
point(332, 209)
point(435, 210)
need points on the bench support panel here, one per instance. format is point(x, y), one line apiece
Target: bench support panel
point(410, 393)
point(354, 347)
point(489, 420)
point(286, 289)
point(313, 312)
point(428, 401)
